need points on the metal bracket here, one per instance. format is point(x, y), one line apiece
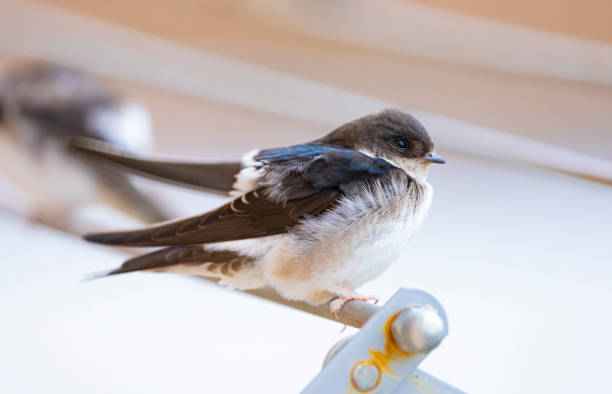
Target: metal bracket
point(383, 357)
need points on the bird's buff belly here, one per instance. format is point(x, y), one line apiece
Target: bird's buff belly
point(344, 258)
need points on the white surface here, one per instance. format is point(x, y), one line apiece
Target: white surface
point(138, 333)
point(520, 259)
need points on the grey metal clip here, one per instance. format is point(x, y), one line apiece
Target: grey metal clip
point(383, 357)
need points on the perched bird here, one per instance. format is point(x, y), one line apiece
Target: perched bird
point(314, 221)
point(42, 104)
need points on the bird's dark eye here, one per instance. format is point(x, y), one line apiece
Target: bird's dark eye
point(401, 143)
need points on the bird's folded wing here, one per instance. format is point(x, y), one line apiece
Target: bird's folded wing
point(217, 177)
point(307, 189)
point(253, 215)
point(225, 262)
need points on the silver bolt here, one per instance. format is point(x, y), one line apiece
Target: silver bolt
point(418, 329)
point(365, 376)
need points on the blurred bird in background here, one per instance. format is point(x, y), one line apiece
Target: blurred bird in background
point(41, 104)
point(315, 221)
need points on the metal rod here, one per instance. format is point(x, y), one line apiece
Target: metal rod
point(354, 313)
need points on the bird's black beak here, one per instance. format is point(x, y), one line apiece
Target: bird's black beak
point(433, 158)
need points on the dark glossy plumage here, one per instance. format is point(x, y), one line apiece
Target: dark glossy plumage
point(378, 132)
point(311, 185)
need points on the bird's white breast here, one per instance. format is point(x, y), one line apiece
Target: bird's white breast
point(349, 245)
point(365, 248)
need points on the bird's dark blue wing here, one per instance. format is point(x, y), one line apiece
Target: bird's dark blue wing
point(343, 166)
point(292, 153)
point(302, 170)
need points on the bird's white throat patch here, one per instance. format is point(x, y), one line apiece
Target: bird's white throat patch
point(415, 167)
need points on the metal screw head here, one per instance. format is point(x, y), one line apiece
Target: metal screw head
point(365, 376)
point(418, 329)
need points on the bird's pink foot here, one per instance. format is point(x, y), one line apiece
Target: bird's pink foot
point(336, 305)
point(347, 295)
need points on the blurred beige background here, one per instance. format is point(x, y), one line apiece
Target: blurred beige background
point(517, 103)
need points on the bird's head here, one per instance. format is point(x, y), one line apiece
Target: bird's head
point(391, 135)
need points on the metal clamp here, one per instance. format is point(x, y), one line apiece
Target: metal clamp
point(383, 357)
